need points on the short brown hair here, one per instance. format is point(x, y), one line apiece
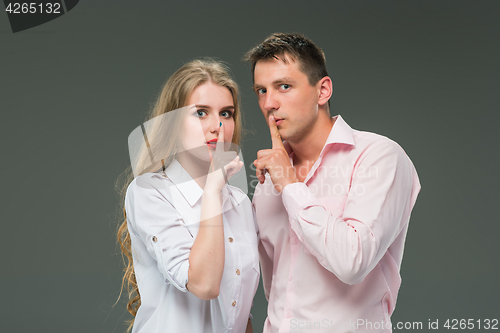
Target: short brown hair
point(311, 58)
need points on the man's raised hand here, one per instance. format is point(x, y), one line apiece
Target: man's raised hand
point(275, 161)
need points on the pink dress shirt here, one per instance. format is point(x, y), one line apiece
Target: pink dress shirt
point(331, 247)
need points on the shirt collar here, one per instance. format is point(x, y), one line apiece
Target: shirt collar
point(189, 189)
point(340, 133)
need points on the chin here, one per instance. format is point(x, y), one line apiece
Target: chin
point(199, 154)
point(284, 134)
point(203, 157)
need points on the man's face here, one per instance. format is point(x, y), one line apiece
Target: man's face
point(283, 91)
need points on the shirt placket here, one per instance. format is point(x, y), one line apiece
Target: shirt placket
point(295, 247)
point(235, 276)
point(290, 290)
point(290, 299)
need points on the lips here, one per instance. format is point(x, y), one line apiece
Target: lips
point(277, 119)
point(212, 143)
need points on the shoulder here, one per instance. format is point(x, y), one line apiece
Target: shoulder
point(149, 184)
point(149, 195)
point(370, 138)
point(369, 142)
point(377, 150)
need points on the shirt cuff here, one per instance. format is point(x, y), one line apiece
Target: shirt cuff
point(295, 197)
point(179, 279)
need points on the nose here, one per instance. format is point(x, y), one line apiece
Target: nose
point(270, 102)
point(214, 124)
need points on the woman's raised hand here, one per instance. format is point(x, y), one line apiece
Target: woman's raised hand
point(224, 163)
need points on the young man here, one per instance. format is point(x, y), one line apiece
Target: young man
point(332, 203)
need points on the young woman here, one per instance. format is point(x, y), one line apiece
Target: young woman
point(189, 238)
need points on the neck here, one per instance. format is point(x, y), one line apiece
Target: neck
point(308, 149)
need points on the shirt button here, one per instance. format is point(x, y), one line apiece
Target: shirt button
point(234, 303)
point(230, 239)
point(155, 239)
point(238, 272)
point(287, 314)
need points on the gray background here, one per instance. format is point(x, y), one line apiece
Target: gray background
point(424, 73)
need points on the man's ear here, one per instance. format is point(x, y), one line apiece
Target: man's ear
point(325, 86)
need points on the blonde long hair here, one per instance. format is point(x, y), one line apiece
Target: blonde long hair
point(174, 95)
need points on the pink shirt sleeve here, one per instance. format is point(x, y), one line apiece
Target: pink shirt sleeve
point(350, 243)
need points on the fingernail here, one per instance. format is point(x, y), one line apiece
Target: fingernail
point(220, 124)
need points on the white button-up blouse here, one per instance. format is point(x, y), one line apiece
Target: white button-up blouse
point(163, 215)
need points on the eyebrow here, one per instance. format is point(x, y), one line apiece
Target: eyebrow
point(278, 81)
point(208, 107)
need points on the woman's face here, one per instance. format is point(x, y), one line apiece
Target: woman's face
point(210, 105)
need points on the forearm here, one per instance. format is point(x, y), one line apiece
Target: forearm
point(206, 260)
point(348, 242)
point(345, 248)
point(348, 249)
point(351, 233)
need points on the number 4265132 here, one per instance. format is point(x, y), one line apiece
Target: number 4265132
point(32, 8)
point(464, 324)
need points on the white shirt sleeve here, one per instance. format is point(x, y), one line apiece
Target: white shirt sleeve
point(155, 221)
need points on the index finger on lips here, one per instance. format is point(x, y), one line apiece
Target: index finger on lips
point(219, 148)
point(275, 134)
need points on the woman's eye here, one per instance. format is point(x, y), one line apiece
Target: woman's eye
point(200, 113)
point(226, 114)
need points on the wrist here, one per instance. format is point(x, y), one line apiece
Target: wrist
point(217, 178)
point(212, 193)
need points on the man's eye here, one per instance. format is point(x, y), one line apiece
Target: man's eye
point(200, 113)
point(261, 91)
point(285, 86)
